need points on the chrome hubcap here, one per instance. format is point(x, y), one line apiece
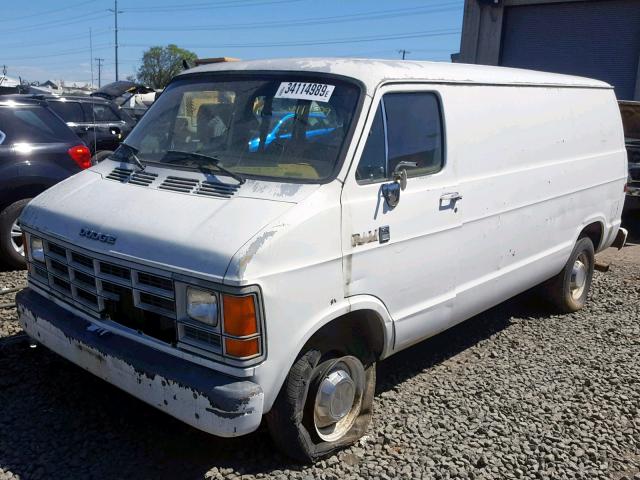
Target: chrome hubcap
point(16, 238)
point(339, 398)
point(579, 276)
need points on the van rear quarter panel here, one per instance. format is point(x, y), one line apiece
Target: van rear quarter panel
point(535, 165)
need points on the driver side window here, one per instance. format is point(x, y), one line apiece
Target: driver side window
point(407, 128)
point(373, 162)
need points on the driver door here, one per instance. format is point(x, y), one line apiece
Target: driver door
point(404, 255)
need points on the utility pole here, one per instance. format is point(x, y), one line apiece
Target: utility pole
point(403, 52)
point(99, 60)
point(91, 56)
point(115, 14)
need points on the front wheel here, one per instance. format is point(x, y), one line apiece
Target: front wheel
point(325, 404)
point(11, 248)
point(569, 289)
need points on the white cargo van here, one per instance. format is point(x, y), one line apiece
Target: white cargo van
point(272, 229)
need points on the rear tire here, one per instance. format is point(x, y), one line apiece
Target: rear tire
point(302, 420)
point(569, 289)
point(11, 248)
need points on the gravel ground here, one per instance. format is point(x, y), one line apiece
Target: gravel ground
point(513, 393)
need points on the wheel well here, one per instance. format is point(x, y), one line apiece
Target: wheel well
point(25, 191)
point(594, 232)
point(359, 333)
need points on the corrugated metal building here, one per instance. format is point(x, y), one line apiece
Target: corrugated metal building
point(591, 38)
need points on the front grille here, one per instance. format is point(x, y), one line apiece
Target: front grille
point(39, 272)
point(61, 285)
point(155, 301)
point(89, 297)
point(115, 271)
point(82, 260)
point(57, 250)
point(112, 288)
point(85, 279)
point(155, 281)
point(141, 300)
point(59, 268)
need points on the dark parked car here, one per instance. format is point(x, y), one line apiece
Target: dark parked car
point(122, 92)
point(100, 123)
point(631, 122)
point(37, 150)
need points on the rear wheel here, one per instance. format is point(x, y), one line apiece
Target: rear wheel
point(324, 405)
point(11, 247)
point(569, 289)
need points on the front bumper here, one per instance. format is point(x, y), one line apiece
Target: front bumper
point(205, 399)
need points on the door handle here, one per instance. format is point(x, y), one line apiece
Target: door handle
point(450, 197)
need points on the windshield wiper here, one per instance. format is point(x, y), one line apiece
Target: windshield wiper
point(215, 161)
point(133, 155)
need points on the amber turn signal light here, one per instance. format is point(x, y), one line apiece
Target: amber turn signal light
point(239, 315)
point(241, 348)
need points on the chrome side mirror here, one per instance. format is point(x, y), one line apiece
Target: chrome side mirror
point(400, 173)
point(391, 191)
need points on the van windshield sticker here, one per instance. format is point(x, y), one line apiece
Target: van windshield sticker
point(305, 91)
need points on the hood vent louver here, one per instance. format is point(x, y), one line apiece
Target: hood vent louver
point(143, 178)
point(191, 186)
point(179, 184)
point(213, 189)
point(125, 175)
point(120, 174)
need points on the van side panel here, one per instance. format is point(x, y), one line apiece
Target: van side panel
point(535, 165)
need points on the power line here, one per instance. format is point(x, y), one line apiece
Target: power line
point(303, 22)
point(424, 34)
point(207, 5)
point(61, 40)
point(59, 54)
point(47, 12)
point(57, 23)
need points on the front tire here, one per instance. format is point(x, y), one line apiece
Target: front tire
point(11, 248)
point(569, 289)
point(325, 404)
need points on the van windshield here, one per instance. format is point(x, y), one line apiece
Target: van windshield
point(284, 127)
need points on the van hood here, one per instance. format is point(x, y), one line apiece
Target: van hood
point(186, 232)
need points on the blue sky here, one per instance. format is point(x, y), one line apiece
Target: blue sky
point(50, 40)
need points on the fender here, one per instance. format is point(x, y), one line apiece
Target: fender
point(606, 230)
point(343, 307)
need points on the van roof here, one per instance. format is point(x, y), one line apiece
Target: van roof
point(372, 72)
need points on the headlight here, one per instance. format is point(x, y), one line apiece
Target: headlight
point(222, 324)
point(202, 306)
point(37, 249)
